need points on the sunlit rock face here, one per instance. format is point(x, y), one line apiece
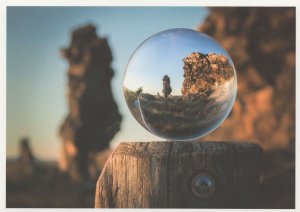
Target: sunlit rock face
point(204, 73)
point(197, 79)
point(93, 118)
point(261, 42)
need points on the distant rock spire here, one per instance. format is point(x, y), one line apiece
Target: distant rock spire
point(166, 86)
point(26, 154)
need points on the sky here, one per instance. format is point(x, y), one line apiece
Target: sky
point(163, 54)
point(36, 74)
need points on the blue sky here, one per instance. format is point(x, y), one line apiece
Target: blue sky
point(163, 54)
point(36, 74)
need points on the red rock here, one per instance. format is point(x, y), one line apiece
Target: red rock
point(261, 43)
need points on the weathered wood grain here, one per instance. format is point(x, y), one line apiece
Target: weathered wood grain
point(160, 174)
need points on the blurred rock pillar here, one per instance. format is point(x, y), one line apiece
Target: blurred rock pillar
point(23, 170)
point(93, 117)
point(261, 42)
point(26, 154)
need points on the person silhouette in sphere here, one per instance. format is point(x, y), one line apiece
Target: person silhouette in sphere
point(166, 86)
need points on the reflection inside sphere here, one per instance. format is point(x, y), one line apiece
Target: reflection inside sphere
point(180, 84)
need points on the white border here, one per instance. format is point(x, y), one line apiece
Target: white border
point(5, 3)
point(147, 3)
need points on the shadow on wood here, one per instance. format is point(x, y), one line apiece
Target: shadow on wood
point(180, 175)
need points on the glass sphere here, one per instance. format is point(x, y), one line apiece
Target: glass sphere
point(180, 84)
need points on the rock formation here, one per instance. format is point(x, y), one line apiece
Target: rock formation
point(261, 43)
point(203, 72)
point(166, 86)
point(26, 154)
point(93, 117)
point(23, 170)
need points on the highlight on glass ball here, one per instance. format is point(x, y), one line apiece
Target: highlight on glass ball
point(180, 84)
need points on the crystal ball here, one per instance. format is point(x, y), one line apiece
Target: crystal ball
point(180, 84)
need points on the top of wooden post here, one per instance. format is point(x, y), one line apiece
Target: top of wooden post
point(170, 174)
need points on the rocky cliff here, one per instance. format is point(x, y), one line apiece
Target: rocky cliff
point(261, 42)
point(203, 72)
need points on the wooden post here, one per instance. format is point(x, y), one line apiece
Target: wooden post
point(180, 175)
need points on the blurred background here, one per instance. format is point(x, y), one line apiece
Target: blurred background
point(65, 105)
